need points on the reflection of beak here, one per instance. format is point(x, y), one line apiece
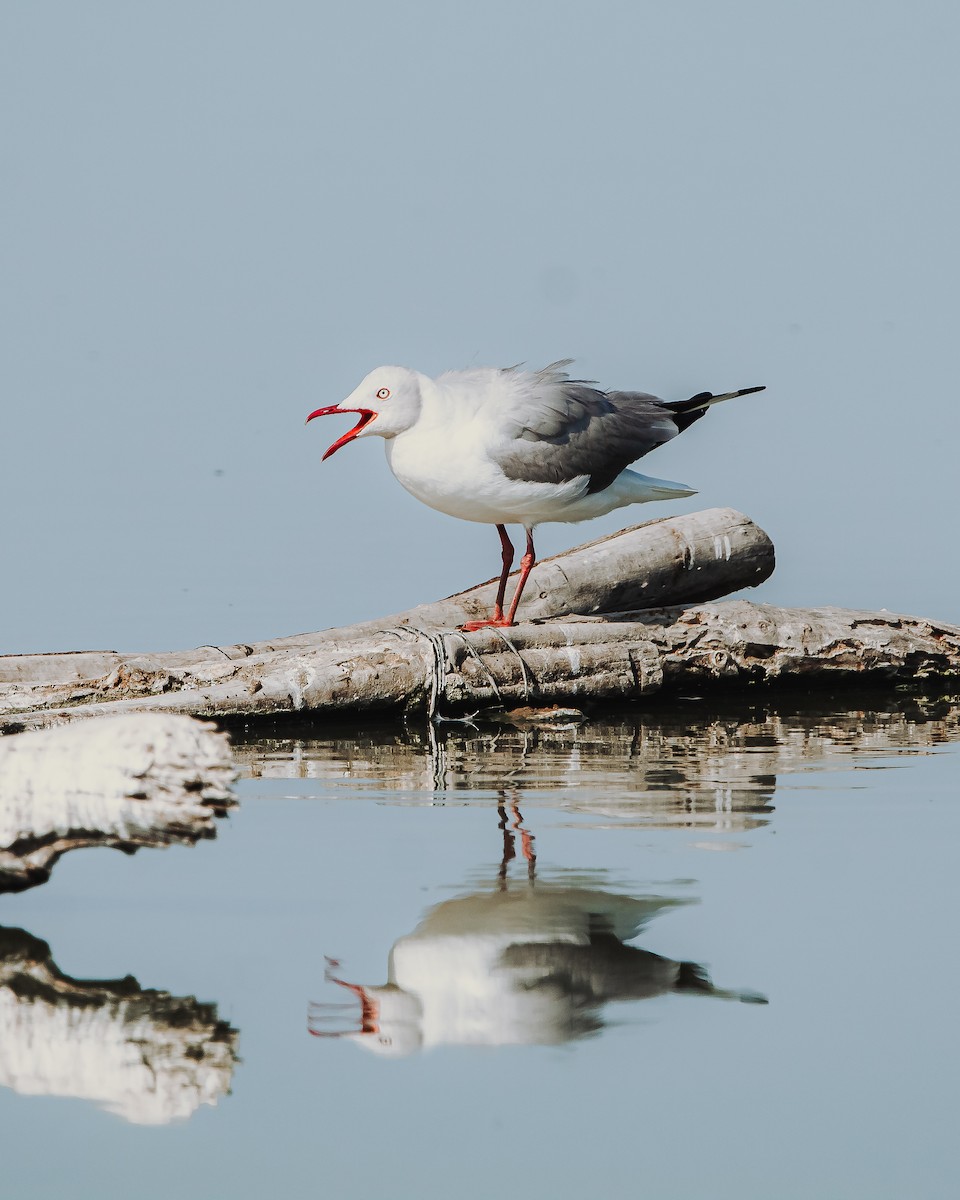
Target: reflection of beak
point(369, 1008)
point(366, 416)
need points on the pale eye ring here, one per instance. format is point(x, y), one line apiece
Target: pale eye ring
point(383, 394)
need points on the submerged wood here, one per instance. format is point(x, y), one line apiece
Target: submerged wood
point(144, 779)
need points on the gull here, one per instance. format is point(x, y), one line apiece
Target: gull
point(507, 445)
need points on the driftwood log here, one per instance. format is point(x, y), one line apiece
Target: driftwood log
point(145, 779)
point(673, 560)
point(614, 647)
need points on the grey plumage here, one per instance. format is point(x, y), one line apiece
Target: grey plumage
point(568, 428)
point(504, 446)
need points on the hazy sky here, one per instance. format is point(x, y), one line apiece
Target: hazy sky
point(219, 216)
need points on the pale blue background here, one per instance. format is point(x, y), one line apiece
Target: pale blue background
point(217, 216)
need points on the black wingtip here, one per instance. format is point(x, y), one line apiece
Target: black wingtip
point(702, 400)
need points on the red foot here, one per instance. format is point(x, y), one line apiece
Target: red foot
point(497, 622)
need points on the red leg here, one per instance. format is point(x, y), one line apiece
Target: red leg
point(507, 559)
point(526, 566)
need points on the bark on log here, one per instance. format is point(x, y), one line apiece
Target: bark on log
point(577, 661)
point(140, 780)
point(418, 659)
point(673, 560)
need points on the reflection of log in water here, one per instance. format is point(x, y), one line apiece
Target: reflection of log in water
point(140, 780)
point(686, 765)
point(144, 1055)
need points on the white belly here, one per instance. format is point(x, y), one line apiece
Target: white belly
point(470, 486)
point(462, 482)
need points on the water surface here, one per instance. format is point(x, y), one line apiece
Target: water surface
point(694, 953)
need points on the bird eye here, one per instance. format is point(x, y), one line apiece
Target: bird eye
point(383, 394)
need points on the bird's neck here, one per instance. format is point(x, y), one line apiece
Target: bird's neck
point(432, 407)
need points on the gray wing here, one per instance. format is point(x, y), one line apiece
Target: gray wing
point(566, 428)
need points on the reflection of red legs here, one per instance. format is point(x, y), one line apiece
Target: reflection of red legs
point(526, 566)
point(510, 842)
point(509, 846)
point(526, 839)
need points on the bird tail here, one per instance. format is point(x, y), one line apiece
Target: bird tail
point(685, 412)
point(705, 399)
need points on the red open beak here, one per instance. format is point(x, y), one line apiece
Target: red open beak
point(366, 416)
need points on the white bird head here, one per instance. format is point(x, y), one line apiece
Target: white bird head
point(388, 402)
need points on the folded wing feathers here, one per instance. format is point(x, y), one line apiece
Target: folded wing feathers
point(565, 429)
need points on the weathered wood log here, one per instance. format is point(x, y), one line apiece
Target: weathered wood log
point(130, 781)
point(575, 661)
point(144, 1055)
point(674, 559)
point(698, 556)
point(419, 658)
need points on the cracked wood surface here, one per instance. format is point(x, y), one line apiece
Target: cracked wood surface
point(420, 660)
point(574, 661)
point(673, 560)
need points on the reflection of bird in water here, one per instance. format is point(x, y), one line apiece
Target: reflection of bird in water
point(532, 965)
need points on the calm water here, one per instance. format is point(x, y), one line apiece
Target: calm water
point(692, 954)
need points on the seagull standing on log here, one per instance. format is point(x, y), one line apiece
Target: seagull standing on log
point(509, 446)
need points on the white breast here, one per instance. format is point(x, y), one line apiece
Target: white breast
point(447, 468)
point(448, 461)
